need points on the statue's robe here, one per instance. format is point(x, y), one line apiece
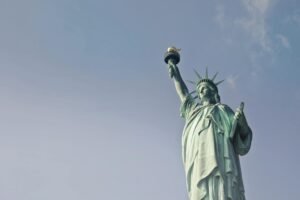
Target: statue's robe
point(210, 155)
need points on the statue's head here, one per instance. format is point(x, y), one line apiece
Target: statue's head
point(207, 89)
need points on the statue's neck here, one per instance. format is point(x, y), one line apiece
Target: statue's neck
point(207, 103)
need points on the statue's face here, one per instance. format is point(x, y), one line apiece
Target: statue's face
point(205, 92)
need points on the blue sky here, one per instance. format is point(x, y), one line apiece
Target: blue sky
point(88, 110)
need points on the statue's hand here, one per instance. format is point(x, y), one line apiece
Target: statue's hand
point(240, 117)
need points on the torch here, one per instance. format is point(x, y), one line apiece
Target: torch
point(172, 58)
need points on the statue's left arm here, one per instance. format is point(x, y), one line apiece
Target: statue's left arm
point(243, 135)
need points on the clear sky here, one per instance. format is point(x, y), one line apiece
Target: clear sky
point(88, 110)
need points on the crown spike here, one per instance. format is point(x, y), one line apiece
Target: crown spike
point(213, 78)
point(197, 74)
point(192, 82)
point(192, 92)
point(219, 82)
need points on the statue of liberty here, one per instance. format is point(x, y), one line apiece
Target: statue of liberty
point(213, 138)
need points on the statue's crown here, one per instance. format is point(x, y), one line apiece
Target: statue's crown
point(207, 80)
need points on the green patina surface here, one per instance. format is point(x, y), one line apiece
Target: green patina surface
point(213, 138)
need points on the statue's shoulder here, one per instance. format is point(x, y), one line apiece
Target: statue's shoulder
point(224, 108)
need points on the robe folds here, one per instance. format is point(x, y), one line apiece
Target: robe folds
point(210, 156)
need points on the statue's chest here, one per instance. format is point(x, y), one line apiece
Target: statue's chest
point(200, 121)
point(197, 132)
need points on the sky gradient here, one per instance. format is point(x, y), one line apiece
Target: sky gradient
point(88, 110)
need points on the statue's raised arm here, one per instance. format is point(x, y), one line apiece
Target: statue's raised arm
point(172, 58)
